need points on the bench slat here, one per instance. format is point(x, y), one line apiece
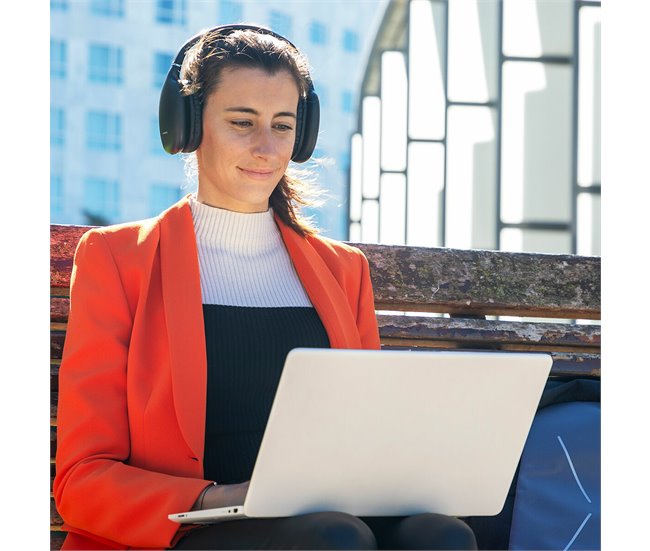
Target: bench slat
point(489, 332)
point(484, 282)
point(59, 309)
point(398, 326)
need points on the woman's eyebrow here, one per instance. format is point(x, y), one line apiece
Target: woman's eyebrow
point(257, 113)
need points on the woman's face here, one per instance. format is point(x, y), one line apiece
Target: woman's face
point(249, 124)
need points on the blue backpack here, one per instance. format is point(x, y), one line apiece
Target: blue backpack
point(554, 499)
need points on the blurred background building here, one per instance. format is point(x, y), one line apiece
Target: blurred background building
point(108, 59)
point(479, 127)
point(458, 123)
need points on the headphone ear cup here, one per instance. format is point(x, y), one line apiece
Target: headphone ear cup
point(195, 123)
point(307, 123)
point(172, 116)
point(179, 116)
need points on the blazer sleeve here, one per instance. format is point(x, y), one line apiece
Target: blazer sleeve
point(95, 490)
point(366, 316)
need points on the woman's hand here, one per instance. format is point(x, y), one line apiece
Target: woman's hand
point(222, 496)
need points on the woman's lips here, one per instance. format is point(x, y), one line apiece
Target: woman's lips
point(258, 173)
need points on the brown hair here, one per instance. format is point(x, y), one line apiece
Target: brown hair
point(201, 73)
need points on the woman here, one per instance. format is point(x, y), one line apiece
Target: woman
point(179, 325)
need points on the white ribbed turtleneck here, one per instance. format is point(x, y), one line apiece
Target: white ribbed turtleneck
point(243, 260)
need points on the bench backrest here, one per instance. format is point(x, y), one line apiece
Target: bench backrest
point(414, 288)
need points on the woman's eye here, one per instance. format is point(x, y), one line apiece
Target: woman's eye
point(284, 127)
point(242, 124)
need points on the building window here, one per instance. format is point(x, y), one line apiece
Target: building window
point(105, 64)
point(162, 196)
point(56, 198)
point(107, 8)
point(347, 102)
point(61, 5)
point(101, 198)
point(103, 131)
point(171, 12)
point(318, 32)
point(281, 23)
point(350, 41)
point(57, 126)
point(230, 11)
point(58, 58)
point(162, 62)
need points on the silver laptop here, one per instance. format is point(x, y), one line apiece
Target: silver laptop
point(392, 433)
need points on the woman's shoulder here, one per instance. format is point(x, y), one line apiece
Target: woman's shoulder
point(136, 234)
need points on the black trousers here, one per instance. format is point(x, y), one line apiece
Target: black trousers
point(334, 531)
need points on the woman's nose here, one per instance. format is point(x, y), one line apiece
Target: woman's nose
point(264, 143)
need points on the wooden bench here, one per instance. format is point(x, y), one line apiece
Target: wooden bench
point(413, 287)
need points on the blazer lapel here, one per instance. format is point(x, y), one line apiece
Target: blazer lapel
point(323, 290)
point(181, 288)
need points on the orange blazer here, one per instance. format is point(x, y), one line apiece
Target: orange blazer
point(132, 382)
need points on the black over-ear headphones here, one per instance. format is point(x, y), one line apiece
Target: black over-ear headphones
point(180, 115)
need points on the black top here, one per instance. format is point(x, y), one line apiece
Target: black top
point(246, 350)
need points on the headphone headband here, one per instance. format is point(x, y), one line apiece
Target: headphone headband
point(180, 116)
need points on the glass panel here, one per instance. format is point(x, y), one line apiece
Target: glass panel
point(103, 131)
point(470, 198)
point(426, 176)
point(392, 209)
point(535, 241)
point(532, 28)
point(473, 50)
point(57, 126)
point(589, 98)
point(317, 32)
point(355, 232)
point(588, 224)
point(58, 58)
point(108, 8)
point(105, 64)
point(370, 222)
point(370, 129)
point(101, 197)
point(426, 70)
point(536, 143)
point(171, 11)
point(350, 41)
point(393, 111)
point(356, 161)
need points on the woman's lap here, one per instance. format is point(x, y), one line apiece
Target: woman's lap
point(333, 530)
